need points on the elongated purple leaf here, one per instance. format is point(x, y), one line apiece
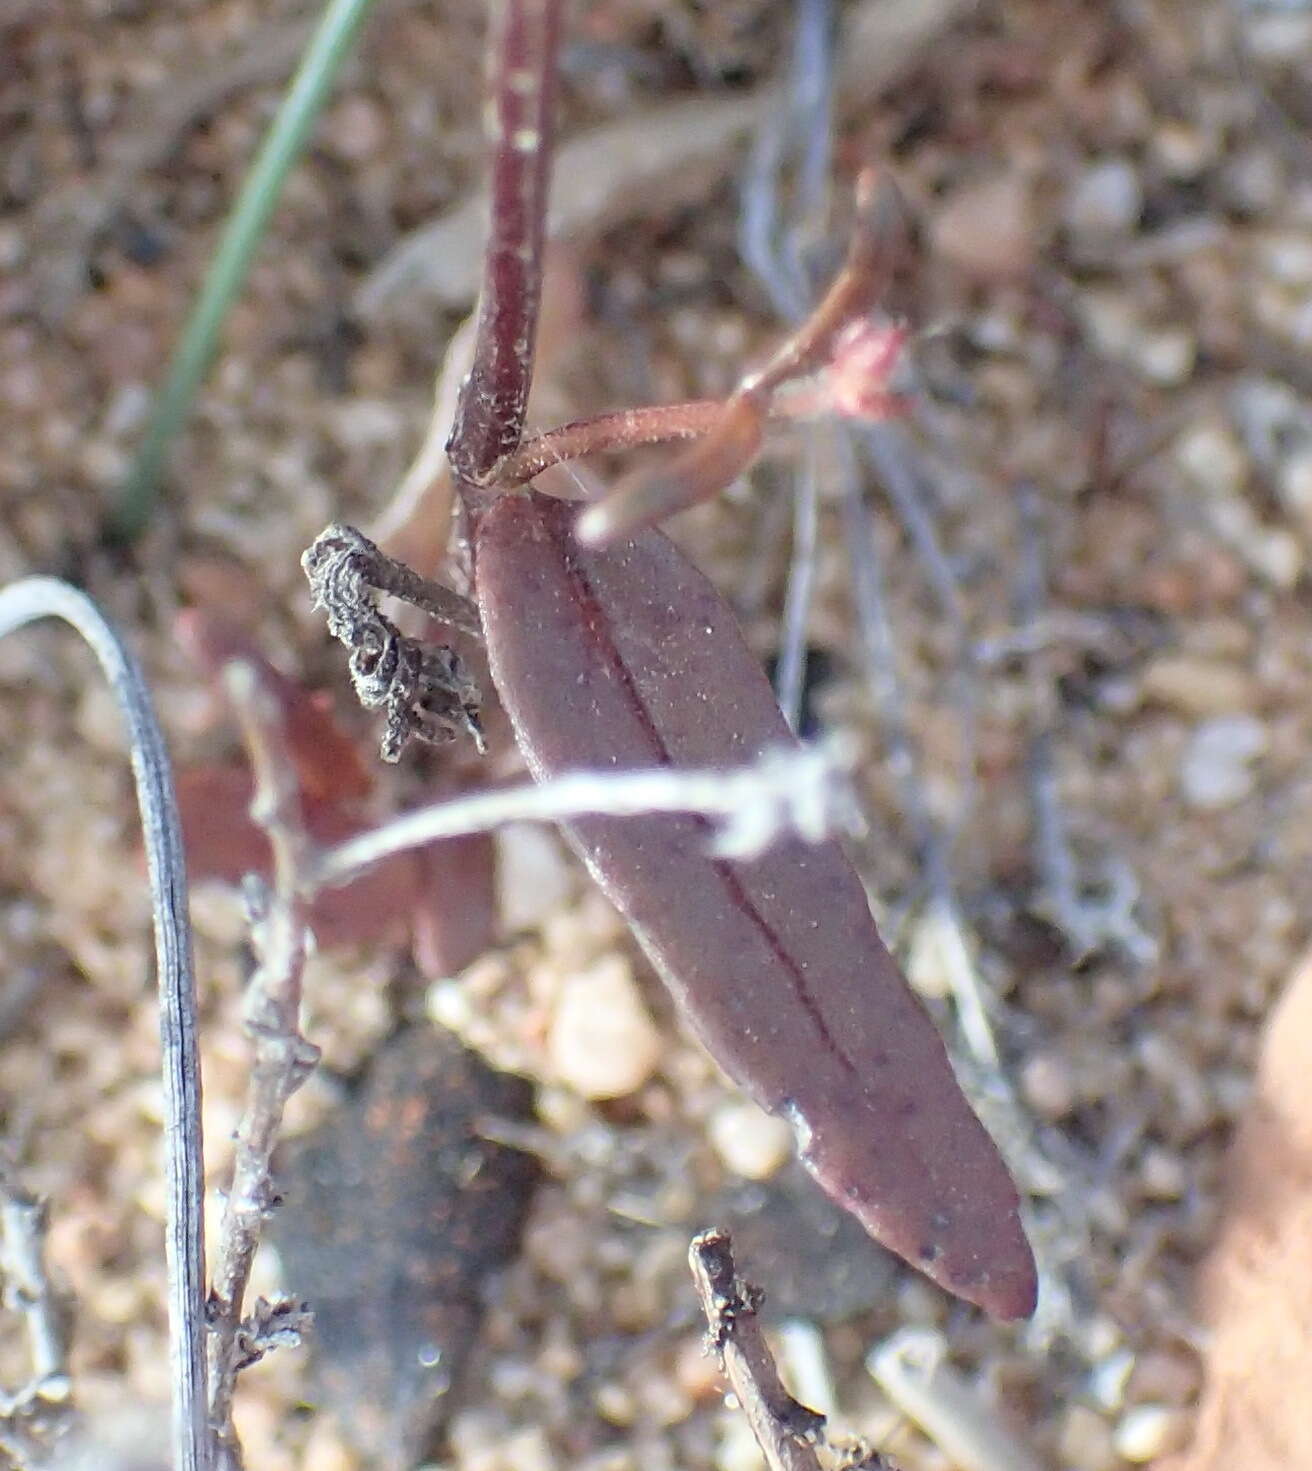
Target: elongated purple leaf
point(628, 657)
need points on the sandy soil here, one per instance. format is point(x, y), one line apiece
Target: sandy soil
point(1114, 246)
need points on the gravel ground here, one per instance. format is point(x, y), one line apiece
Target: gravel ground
point(1113, 468)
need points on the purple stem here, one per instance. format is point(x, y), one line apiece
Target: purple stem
point(489, 417)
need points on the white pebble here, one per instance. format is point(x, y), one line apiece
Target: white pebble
point(1106, 201)
point(1295, 486)
point(736, 1448)
point(1112, 323)
point(602, 1041)
point(1048, 1086)
point(1213, 457)
point(749, 1141)
point(1085, 1440)
point(1198, 686)
point(1217, 767)
point(1148, 1431)
point(1287, 255)
point(1167, 358)
point(1182, 151)
point(1282, 37)
point(986, 228)
point(534, 879)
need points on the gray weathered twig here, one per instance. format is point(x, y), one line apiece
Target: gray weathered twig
point(283, 1058)
point(772, 240)
point(785, 1430)
point(25, 602)
point(35, 1415)
point(912, 1368)
point(1093, 911)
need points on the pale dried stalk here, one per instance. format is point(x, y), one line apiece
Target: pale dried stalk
point(25, 602)
point(792, 790)
point(283, 1058)
point(36, 1414)
point(1091, 915)
point(675, 153)
point(911, 1368)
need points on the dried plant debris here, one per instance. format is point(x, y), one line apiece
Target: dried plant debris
point(36, 1415)
point(423, 688)
point(785, 1429)
point(442, 896)
point(396, 1213)
point(677, 152)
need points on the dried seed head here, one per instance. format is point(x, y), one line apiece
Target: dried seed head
point(423, 688)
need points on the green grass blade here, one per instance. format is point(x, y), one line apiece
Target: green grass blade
point(282, 146)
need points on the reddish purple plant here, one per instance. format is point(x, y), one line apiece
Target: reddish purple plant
point(610, 651)
point(441, 897)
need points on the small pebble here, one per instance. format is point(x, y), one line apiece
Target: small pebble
point(936, 953)
point(1109, 1377)
point(1112, 323)
point(602, 1041)
point(1106, 201)
point(1162, 1175)
point(1253, 180)
point(12, 247)
point(1217, 768)
point(987, 228)
point(1048, 1086)
point(1214, 458)
point(1279, 37)
point(1148, 1431)
point(1085, 1441)
point(1287, 255)
point(534, 879)
point(736, 1448)
point(1166, 358)
point(1197, 686)
point(614, 1403)
point(750, 1142)
point(696, 1372)
point(1181, 150)
point(355, 130)
point(528, 1450)
point(1294, 484)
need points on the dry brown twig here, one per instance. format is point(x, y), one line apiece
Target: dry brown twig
point(786, 1431)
